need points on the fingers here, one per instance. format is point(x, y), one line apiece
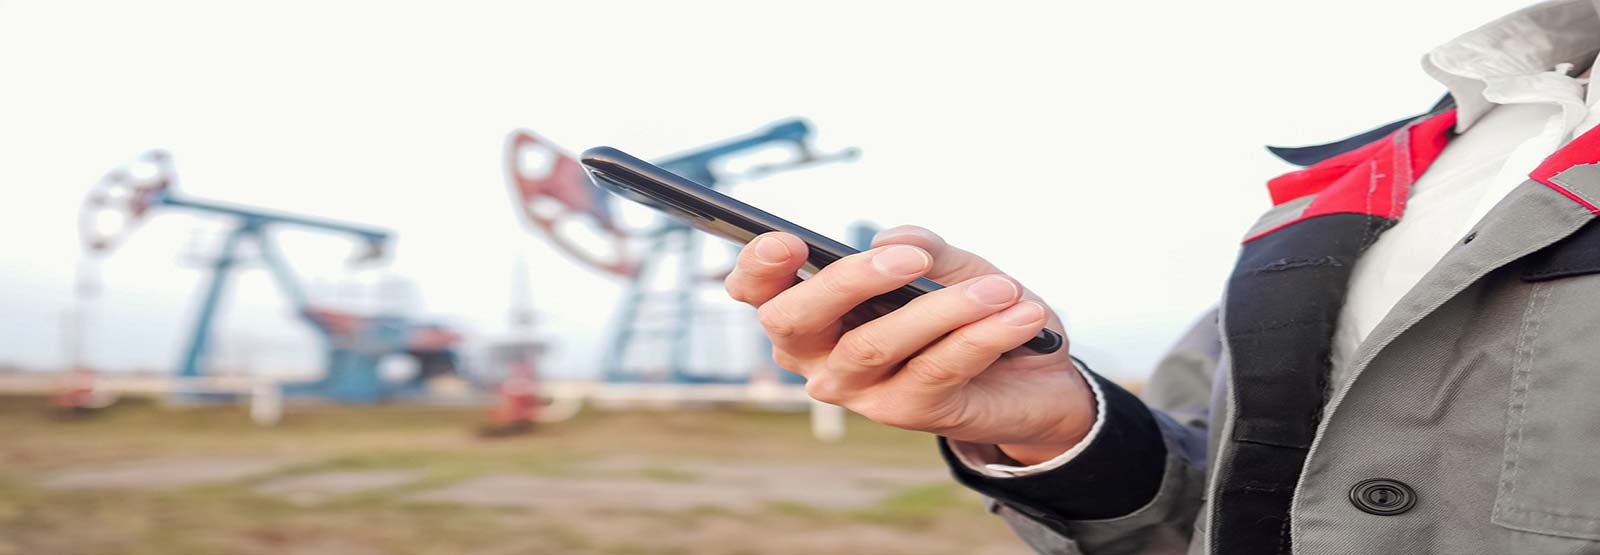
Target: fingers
point(950, 264)
point(968, 351)
point(867, 353)
point(806, 317)
point(765, 268)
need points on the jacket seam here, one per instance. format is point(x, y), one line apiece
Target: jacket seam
point(1517, 406)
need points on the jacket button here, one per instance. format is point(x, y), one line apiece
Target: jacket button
point(1383, 497)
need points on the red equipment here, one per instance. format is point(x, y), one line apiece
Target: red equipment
point(518, 408)
point(554, 195)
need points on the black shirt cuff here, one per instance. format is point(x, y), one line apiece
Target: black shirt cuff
point(1115, 475)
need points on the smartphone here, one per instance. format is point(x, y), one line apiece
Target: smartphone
point(725, 217)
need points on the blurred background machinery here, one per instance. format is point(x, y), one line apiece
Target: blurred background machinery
point(661, 333)
point(357, 346)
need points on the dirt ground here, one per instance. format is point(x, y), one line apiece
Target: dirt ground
point(140, 479)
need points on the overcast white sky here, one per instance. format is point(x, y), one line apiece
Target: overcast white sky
point(1108, 154)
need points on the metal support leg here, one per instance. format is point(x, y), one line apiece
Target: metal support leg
point(201, 336)
point(627, 318)
point(688, 288)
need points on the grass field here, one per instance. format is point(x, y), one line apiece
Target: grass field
point(140, 479)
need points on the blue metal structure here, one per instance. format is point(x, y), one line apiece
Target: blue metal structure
point(355, 345)
point(651, 314)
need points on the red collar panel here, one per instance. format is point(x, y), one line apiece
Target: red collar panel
point(1584, 150)
point(1373, 180)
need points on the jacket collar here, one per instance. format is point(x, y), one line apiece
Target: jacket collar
point(1479, 65)
point(1373, 179)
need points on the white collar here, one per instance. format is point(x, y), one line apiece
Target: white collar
point(1515, 48)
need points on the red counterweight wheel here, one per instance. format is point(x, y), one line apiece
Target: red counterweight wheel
point(118, 202)
point(554, 195)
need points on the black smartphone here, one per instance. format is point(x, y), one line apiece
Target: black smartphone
point(725, 217)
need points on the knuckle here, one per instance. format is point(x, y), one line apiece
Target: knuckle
point(969, 344)
point(862, 350)
point(778, 323)
point(931, 370)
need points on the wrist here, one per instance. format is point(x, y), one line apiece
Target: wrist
point(1029, 454)
point(1067, 433)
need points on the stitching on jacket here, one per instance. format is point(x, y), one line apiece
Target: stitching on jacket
point(1293, 262)
point(1509, 511)
point(1402, 171)
point(1517, 407)
point(1561, 179)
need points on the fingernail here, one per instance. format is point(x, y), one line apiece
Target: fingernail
point(993, 290)
point(1023, 313)
point(901, 260)
point(771, 251)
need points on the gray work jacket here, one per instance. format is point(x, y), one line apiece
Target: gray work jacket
point(1469, 423)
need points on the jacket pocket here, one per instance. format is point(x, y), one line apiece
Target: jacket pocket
point(1550, 473)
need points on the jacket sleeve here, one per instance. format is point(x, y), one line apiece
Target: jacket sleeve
point(1139, 484)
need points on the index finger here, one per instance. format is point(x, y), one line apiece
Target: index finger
point(765, 268)
point(950, 264)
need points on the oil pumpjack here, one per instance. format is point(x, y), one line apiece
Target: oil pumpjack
point(355, 345)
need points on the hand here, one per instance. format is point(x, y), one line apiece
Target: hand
point(938, 364)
